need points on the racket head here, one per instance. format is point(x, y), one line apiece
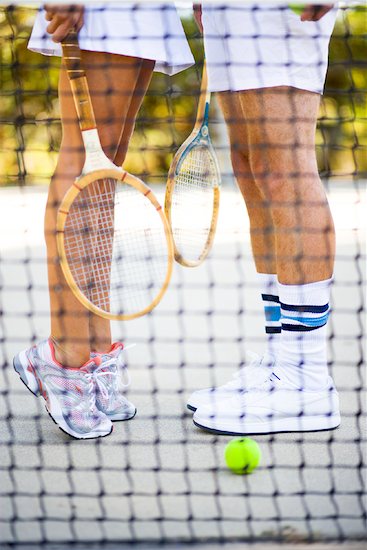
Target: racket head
point(114, 244)
point(192, 198)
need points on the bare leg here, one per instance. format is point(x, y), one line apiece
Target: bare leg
point(281, 124)
point(100, 333)
point(258, 208)
point(115, 78)
point(261, 221)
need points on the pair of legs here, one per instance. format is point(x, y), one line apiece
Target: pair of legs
point(117, 85)
point(272, 139)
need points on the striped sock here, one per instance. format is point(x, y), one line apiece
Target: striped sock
point(304, 314)
point(270, 298)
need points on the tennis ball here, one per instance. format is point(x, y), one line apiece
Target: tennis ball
point(242, 455)
point(297, 8)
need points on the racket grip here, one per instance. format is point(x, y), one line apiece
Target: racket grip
point(72, 56)
point(78, 81)
point(204, 99)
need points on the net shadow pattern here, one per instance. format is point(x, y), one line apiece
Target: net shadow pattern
point(157, 478)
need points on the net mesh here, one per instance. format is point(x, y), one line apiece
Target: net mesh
point(158, 478)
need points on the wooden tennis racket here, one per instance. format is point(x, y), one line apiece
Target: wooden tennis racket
point(192, 192)
point(114, 241)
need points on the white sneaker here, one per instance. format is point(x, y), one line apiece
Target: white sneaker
point(69, 392)
point(242, 380)
point(274, 405)
point(108, 378)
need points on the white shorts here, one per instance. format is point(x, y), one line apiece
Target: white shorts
point(261, 46)
point(147, 31)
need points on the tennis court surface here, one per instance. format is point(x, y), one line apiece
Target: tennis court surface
point(158, 480)
point(157, 477)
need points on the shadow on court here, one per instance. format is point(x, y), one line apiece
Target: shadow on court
point(157, 477)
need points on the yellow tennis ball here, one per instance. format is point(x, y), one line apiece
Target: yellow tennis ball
point(297, 8)
point(242, 455)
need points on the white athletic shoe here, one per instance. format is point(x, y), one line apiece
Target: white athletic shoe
point(273, 405)
point(69, 392)
point(241, 380)
point(108, 378)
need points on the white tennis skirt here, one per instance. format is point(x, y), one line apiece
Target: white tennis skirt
point(147, 31)
point(265, 45)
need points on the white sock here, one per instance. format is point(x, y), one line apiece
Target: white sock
point(303, 344)
point(270, 298)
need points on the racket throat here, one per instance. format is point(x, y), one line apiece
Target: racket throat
point(95, 158)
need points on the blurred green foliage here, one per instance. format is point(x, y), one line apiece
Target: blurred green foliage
point(30, 128)
point(342, 127)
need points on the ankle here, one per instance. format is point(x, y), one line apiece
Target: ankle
point(69, 355)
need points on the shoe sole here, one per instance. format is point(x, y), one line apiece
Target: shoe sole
point(309, 424)
point(30, 382)
point(118, 419)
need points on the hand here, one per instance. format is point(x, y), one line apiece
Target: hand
point(197, 16)
point(314, 12)
point(63, 18)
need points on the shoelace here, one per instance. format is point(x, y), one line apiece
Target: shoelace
point(91, 393)
point(119, 372)
point(254, 375)
point(262, 380)
point(255, 361)
point(93, 379)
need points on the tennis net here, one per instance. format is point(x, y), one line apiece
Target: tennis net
point(158, 478)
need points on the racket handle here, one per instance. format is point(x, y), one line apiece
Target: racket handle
point(71, 55)
point(204, 99)
point(78, 81)
point(204, 80)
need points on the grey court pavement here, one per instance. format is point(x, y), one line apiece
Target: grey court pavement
point(158, 478)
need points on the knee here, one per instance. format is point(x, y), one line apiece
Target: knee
point(240, 161)
point(278, 170)
point(274, 176)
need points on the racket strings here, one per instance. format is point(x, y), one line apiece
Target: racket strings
point(192, 207)
point(84, 227)
point(116, 247)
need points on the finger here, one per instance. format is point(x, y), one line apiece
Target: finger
point(50, 8)
point(55, 22)
point(79, 24)
point(62, 31)
point(62, 8)
point(61, 25)
point(56, 9)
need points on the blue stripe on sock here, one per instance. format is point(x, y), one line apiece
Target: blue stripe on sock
point(309, 321)
point(272, 313)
